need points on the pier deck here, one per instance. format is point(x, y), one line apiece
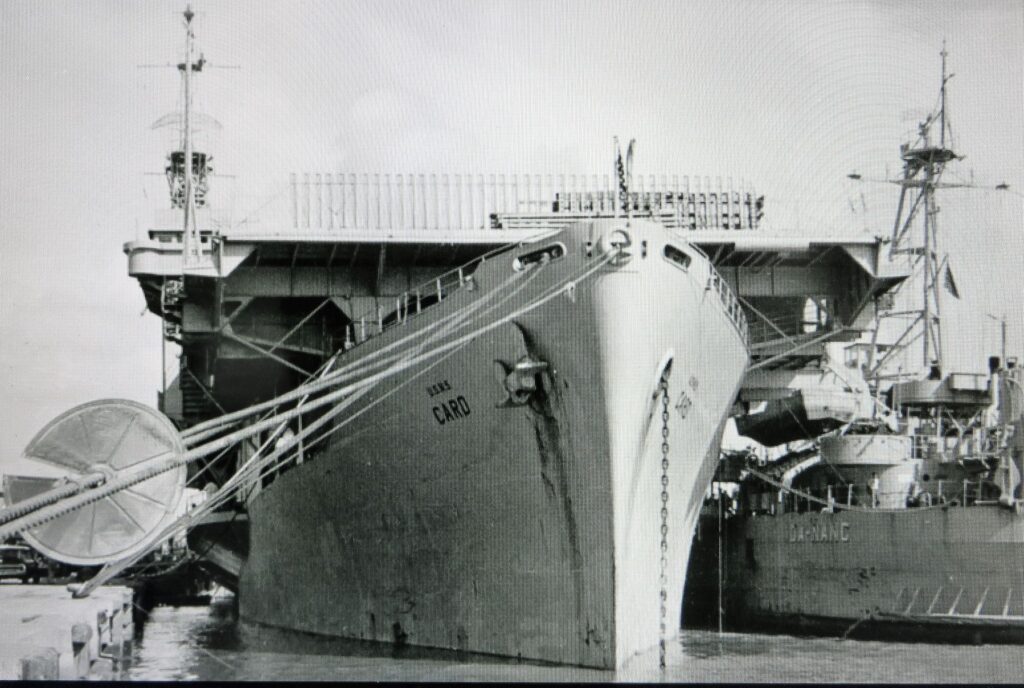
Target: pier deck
point(49, 635)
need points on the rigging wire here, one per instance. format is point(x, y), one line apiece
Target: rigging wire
point(217, 425)
point(271, 463)
point(279, 457)
point(346, 372)
point(163, 463)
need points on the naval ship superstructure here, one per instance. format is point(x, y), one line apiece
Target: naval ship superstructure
point(455, 411)
point(558, 374)
point(879, 502)
point(520, 480)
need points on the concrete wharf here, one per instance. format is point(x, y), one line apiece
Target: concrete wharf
point(48, 635)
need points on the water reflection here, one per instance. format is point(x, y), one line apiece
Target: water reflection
point(210, 643)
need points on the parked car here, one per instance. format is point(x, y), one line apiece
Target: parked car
point(21, 562)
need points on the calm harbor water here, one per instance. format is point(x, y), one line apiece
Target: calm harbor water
point(211, 643)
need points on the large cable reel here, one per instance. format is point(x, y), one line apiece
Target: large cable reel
point(109, 436)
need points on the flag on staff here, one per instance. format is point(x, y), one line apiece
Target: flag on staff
point(949, 284)
point(620, 173)
point(624, 173)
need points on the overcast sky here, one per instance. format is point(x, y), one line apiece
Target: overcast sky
point(790, 96)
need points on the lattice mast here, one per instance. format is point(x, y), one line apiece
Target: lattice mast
point(923, 164)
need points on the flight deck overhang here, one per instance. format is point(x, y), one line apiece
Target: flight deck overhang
point(161, 254)
point(800, 293)
point(844, 272)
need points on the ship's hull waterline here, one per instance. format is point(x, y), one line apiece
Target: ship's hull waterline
point(443, 517)
point(939, 573)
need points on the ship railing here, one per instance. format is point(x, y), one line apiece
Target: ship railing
point(966, 492)
point(768, 330)
point(670, 216)
point(836, 497)
point(962, 492)
point(730, 302)
point(453, 202)
point(413, 302)
point(919, 446)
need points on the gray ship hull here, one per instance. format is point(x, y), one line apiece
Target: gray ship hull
point(929, 573)
point(445, 518)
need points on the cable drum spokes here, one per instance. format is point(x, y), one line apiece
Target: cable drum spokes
point(103, 437)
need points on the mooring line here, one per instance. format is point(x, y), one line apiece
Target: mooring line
point(238, 481)
point(47, 513)
point(350, 370)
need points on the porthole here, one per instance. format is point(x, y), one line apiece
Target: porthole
point(540, 255)
point(677, 256)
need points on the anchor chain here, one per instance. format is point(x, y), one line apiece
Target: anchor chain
point(663, 564)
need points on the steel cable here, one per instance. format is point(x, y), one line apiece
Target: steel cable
point(217, 425)
point(346, 372)
point(278, 458)
point(262, 468)
point(166, 462)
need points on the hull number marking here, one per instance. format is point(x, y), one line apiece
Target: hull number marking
point(683, 405)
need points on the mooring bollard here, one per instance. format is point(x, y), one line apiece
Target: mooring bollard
point(103, 670)
point(120, 637)
point(40, 665)
point(50, 636)
point(82, 660)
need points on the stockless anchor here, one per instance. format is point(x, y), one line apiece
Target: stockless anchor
point(126, 464)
